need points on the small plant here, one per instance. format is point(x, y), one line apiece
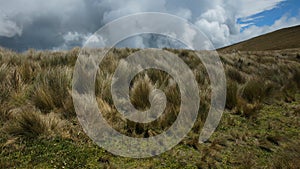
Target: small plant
point(33, 124)
point(5, 90)
point(248, 110)
point(103, 86)
point(140, 91)
point(231, 96)
point(51, 90)
point(296, 77)
point(15, 80)
point(4, 70)
point(251, 110)
point(4, 116)
point(28, 71)
point(235, 75)
point(256, 89)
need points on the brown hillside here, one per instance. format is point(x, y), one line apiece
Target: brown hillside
point(286, 38)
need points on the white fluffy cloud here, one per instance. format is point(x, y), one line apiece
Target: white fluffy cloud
point(246, 8)
point(217, 18)
point(213, 24)
point(219, 22)
point(73, 39)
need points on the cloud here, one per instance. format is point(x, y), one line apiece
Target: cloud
point(43, 25)
point(216, 18)
point(254, 31)
point(119, 8)
point(184, 13)
point(213, 24)
point(72, 39)
point(9, 28)
point(67, 23)
point(219, 22)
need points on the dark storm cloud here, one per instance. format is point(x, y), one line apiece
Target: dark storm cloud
point(40, 34)
point(46, 28)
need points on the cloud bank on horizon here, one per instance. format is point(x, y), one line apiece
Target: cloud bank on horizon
point(63, 24)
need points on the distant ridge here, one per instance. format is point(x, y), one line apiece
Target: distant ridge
point(287, 38)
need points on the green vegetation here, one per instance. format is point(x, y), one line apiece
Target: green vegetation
point(259, 128)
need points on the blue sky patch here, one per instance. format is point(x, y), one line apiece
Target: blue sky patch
point(289, 8)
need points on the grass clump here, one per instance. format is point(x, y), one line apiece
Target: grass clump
point(3, 72)
point(296, 77)
point(256, 89)
point(5, 90)
point(249, 110)
point(51, 91)
point(235, 75)
point(28, 71)
point(31, 124)
point(231, 96)
point(140, 91)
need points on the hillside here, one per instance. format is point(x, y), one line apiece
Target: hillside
point(259, 128)
point(287, 38)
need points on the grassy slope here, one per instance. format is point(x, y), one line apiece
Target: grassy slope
point(264, 137)
point(282, 39)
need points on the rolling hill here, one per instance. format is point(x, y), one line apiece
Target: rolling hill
point(287, 38)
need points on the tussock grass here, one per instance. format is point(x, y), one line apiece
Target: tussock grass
point(256, 89)
point(35, 102)
point(5, 90)
point(52, 90)
point(32, 124)
point(235, 75)
point(296, 77)
point(231, 96)
point(3, 72)
point(28, 71)
point(140, 91)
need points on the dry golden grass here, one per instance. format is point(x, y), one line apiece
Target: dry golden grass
point(231, 96)
point(140, 92)
point(33, 124)
point(235, 75)
point(35, 99)
point(52, 91)
point(43, 79)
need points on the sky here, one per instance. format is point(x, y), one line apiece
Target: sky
point(64, 24)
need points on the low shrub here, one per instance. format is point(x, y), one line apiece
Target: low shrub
point(235, 75)
point(256, 89)
point(248, 110)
